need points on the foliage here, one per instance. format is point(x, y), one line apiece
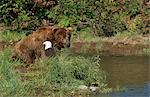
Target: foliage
point(55, 77)
point(13, 10)
point(74, 71)
point(104, 17)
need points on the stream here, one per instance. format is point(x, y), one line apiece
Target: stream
point(128, 72)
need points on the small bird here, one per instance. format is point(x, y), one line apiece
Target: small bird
point(47, 44)
point(49, 50)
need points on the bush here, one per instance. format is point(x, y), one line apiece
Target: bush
point(74, 71)
point(104, 17)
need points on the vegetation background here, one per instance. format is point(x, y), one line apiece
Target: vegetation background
point(60, 76)
point(102, 17)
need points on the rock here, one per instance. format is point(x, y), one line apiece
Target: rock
point(83, 87)
point(92, 88)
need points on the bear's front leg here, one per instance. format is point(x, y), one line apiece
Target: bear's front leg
point(40, 54)
point(27, 58)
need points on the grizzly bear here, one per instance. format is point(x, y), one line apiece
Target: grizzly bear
point(32, 47)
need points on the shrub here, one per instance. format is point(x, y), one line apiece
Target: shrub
point(104, 17)
point(67, 70)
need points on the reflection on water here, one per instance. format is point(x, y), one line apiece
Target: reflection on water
point(126, 70)
point(131, 72)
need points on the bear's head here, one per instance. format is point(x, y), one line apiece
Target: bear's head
point(62, 37)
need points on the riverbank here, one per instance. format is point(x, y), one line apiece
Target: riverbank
point(138, 45)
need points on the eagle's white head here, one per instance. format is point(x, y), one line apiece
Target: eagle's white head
point(47, 44)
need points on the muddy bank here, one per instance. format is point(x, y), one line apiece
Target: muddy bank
point(113, 46)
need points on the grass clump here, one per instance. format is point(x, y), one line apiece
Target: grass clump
point(11, 36)
point(10, 83)
point(67, 70)
point(55, 77)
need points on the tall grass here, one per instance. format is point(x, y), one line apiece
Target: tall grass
point(54, 77)
point(10, 83)
point(9, 36)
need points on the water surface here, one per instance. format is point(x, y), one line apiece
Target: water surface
point(126, 70)
point(129, 72)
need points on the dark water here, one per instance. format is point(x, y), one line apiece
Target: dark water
point(131, 91)
point(129, 72)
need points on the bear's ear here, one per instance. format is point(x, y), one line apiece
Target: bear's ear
point(59, 31)
point(55, 32)
point(55, 29)
point(69, 29)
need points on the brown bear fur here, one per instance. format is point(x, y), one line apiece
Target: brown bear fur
point(31, 47)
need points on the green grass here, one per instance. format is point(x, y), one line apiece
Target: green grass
point(126, 34)
point(55, 77)
point(146, 51)
point(85, 35)
point(10, 83)
point(11, 36)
